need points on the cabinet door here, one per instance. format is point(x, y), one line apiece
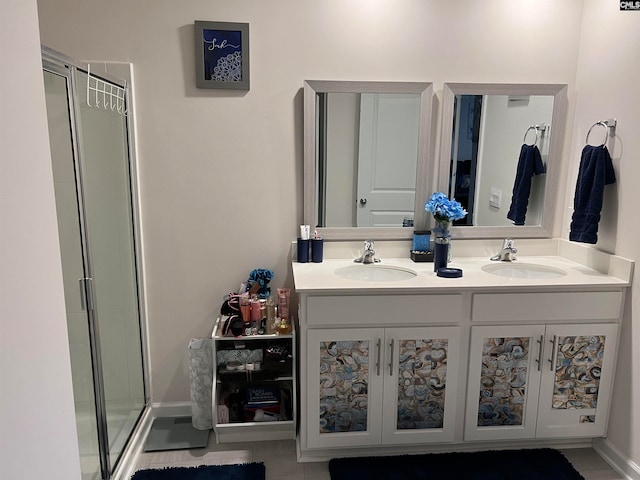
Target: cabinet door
point(420, 384)
point(504, 382)
point(576, 382)
point(344, 387)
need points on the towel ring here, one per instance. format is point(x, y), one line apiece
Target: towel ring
point(606, 130)
point(524, 140)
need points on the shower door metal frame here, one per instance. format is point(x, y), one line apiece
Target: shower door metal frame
point(64, 66)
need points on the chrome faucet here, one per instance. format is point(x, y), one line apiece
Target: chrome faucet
point(508, 252)
point(369, 254)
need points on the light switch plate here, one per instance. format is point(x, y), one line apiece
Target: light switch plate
point(495, 198)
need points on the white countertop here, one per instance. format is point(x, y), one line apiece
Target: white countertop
point(593, 269)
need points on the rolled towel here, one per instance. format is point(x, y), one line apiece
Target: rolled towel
point(595, 171)
point(529, 164)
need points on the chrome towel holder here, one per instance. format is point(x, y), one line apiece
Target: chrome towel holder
point(609, 127)
point(539, 129)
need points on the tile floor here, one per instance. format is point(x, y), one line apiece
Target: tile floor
point(279, 458)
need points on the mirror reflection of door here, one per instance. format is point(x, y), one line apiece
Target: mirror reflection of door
point(464, 152)
point(368, 159)
point(387, 159)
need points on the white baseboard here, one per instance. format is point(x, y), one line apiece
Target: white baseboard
point(175, 409)
point(624, 466)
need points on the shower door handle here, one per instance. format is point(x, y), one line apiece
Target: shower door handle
point(86, 293)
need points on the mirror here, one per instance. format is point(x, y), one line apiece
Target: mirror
point(484, 130)
point(365, 158)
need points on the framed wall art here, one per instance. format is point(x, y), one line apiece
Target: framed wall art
point(222, 55)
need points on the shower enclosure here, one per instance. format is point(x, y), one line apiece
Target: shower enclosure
point(97, 221)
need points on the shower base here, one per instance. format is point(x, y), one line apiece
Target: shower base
point(175, 433)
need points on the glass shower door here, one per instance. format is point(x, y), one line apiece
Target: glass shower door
point(93, 188)
point(109, 223)
point(71, 251)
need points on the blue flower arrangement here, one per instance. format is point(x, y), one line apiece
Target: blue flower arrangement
point(443, 209)
point(261, 276)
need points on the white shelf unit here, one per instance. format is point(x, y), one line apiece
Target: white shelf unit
point(274, 372)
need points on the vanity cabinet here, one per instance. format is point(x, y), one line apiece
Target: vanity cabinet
point(380, 386)
point(539, 381)
point(507, 361)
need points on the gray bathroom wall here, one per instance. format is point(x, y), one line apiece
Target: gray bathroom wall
point(201, 149)
point(221, 171)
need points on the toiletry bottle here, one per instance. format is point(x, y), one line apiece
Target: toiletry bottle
point(263, 309)
point(255, 315)
point(263, 317)
point(245, 307)
point(285, 327)
point(283, 302)
point(271, 316)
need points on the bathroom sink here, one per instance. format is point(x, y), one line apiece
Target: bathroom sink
point(375, 273)
point(522, 270)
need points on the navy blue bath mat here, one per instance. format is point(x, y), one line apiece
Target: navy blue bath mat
point(247, 471)
point(536, 464)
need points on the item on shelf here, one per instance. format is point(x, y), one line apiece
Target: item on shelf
point(232, 326)
point(279, 351)
point(266, 399)
point(225, 326)
point(234, 365)
point(230, 305)
point(225, 357)
point(245, 311)
point(223, 414)
point(262, 416)
point(255, 315)
point(263, 309)
point(284, 328)
point(271, 310)
point(235, 405)
point(259, 280)
point(272, 326)
point(258, 397)
point(253, 366)
point(284, 294)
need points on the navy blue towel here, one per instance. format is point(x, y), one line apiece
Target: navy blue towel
point(529, 164)
point(596, 171)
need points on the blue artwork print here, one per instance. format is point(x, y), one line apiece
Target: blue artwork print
point(222, 55)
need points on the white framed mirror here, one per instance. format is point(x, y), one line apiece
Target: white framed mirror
point(366, 147)
point(485, 128)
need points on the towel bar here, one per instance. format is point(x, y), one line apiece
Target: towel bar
point(538, 128)
point(609, 126)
